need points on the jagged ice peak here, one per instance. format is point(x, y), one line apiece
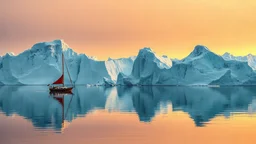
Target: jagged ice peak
point(10, 54)
point(146, 50)
point(57, 44)
point(199, 49)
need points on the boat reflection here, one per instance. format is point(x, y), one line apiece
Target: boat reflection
point(60, 97)
point(57, 110)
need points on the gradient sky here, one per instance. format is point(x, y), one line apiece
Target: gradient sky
point(119, 28)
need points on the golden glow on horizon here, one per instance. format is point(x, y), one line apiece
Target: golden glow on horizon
point(117, 28)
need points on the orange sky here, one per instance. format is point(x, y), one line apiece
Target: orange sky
point(119, 28)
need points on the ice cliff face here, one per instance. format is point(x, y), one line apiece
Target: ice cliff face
point(42, 65)
point(250, 59)
point(145, 68)
point(39, 65)
point(147, 62)
point(91, 71)
point(115, 66)
point(94, 72)
point(200, 67)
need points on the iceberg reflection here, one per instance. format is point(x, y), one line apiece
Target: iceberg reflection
point(52, 112)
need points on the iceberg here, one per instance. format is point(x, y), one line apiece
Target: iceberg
point(92, 71)
point(250, 59)
point(108, 82)
point(115, 66)
point(146, 67)
point(41, 65)
point(226, 79)
point(200, 67)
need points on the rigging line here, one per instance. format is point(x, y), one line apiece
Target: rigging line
point(65, 116)
point(68, 73)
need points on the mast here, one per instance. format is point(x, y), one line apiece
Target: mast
point(63, 68)
point(68, 73)
point(61, 79)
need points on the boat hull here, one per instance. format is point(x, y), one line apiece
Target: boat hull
point(61, 90)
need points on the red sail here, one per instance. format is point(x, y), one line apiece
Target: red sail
point(60, 80)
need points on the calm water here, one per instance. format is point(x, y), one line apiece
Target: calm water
point(118, 115)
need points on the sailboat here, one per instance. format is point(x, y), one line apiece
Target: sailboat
point(60, 81)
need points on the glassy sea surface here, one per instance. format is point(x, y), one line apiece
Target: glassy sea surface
point(124, 115)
